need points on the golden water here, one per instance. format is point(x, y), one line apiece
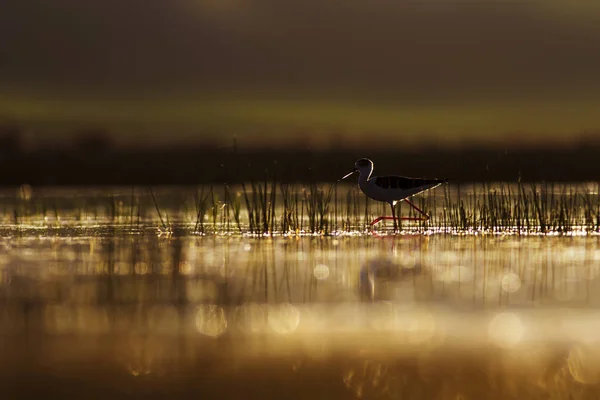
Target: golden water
point(406, 316)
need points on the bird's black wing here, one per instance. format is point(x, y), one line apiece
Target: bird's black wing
point(404, 183)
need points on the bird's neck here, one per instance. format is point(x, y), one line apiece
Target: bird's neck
point(364, 177)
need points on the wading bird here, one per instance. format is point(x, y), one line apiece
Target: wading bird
point(391, 189)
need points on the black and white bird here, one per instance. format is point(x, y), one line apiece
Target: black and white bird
point(391, 189)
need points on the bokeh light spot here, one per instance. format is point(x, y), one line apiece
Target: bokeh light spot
point(511, 282)
point(506, 329)
point(141, 268)
point(321, 271)
point(283, 318)
point(211, 320)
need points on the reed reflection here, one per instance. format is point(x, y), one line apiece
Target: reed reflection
point(379, 318)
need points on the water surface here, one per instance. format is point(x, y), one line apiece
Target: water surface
point(102, 307)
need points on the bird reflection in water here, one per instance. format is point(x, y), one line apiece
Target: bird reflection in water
point(378, 274)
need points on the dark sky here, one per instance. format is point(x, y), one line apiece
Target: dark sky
point(453, 68)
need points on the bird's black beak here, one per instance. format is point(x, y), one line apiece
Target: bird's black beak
point(347, 175)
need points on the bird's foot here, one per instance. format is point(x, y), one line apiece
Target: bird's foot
point(396, 230)
point(376, 220)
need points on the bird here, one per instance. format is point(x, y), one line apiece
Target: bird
point(391, 189)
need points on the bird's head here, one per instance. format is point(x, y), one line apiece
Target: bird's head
point(364, 165)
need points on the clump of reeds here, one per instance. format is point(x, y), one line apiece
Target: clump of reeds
point(269, 207)
point(260, 204)
point(290, 214)
point(535, 208)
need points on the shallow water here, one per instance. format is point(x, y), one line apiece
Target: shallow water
point(98, 308)
point(272, 208)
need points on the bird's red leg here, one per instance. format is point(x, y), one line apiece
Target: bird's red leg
point(426, 216)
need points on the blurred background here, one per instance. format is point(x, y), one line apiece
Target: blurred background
point(124, 92)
